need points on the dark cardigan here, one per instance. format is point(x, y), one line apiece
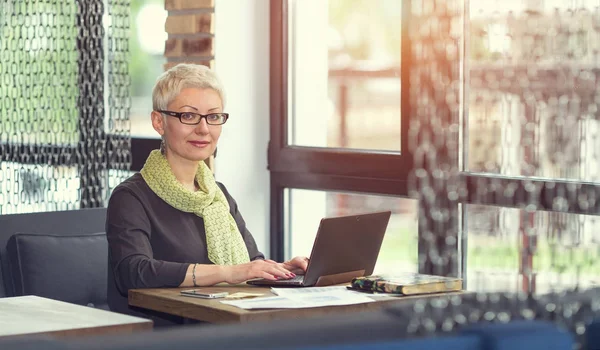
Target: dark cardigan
point(151, 244)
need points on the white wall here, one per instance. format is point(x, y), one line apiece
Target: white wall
point(242, 63)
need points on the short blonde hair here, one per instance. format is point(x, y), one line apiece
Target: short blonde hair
point(182, 76)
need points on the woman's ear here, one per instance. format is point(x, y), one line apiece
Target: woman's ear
point(158, 122)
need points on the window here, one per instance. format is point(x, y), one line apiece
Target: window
point(147, 45)
point(521, 128)
point(345, 86)
point(338, 101)
point(530, 147)
point(513, 249)
point(305, 209)
point(498, 133)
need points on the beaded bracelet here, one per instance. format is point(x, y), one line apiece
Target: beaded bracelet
point(194, 275)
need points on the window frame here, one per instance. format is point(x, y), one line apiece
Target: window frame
point(326, 169)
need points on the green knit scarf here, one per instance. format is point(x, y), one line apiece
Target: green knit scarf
point(225, 243)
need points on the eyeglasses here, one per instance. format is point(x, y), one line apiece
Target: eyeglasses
point(191, 118)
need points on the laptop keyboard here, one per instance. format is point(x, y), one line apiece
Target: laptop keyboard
point(296, 280)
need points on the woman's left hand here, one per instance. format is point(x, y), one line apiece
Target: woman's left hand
point(296, 265)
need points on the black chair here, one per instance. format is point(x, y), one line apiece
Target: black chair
point(59, 255)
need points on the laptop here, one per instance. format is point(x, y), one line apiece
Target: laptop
point(345, 247)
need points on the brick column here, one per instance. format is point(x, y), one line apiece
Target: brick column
point(191, 35)
point(190, 32)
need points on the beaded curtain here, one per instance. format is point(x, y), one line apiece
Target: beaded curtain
point(504, 133)
point(64, 103)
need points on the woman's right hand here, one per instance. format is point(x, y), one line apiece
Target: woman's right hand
point(256, 269)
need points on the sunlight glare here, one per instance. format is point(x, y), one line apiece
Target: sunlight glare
point(151, 28)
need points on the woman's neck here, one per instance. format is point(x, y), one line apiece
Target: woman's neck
point(184, 171)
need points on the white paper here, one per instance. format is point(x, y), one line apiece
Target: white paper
point(329, 289)
point(295, 298)
point(309, 290)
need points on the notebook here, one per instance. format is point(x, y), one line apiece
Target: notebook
point(406, 284)
point(345, 247)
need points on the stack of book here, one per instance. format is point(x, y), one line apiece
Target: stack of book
point(406, 284)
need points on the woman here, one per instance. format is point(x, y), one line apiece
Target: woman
point(172, 225)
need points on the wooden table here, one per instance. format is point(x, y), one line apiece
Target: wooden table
point(33, 315)
point(169, 300)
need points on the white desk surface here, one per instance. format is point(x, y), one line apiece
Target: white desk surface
point(33, 315)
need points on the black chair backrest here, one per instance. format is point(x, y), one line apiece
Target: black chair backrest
point(71, 222)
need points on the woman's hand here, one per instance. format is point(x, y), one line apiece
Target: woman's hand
point(296, 265)
point(268, 269)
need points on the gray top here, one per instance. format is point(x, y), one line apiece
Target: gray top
point(151, 244)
